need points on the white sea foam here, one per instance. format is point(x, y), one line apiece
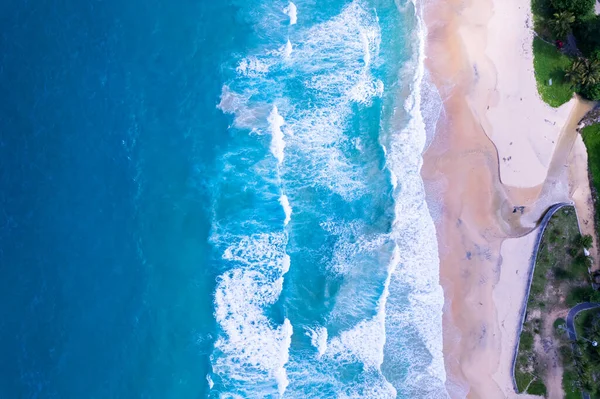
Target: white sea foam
point(211, 384)
point(292, 12)
point(335, 57)
point(285, 264)
point(318, 338)
point(393, 179)
point(333, 61)
point(362, 344)
point(432, 107)
point(287, 209)
point(252, 349)
point(353, 248)
point(420, 319)
point(252, 66)
point(287, 52)
point(276, 121)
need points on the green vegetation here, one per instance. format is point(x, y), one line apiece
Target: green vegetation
point(587, 364)
point(523, 376)
point(559, 258)
point(556, 256)
point(591, 138)
point(550, 64)
point(570, 385)
point(537, 387)
point(560, 280)
point(560, 23)
point(556, 20)
point(584, 74)
point(585, 241)
point(582, 294)
point(526, 342)
point(557, 323)
point(578, 7)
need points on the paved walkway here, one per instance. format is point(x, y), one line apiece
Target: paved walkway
point(572, 313)
point(540, 234)
point(571, 317)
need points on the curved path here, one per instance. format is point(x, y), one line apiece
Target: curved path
point(540, 234)
point(571, 317)
point(571, 325)
point(572, 313)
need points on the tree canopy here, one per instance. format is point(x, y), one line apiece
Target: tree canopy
point(579, 8)
point(560, 23)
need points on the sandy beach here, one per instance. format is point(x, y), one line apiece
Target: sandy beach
point(498, 146)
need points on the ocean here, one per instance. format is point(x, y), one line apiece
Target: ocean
point(216, 199)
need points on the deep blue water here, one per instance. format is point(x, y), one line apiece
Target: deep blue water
point(108, 129)
point(204, 199)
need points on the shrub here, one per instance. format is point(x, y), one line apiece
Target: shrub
point(585, 241)
point(542, 8)
point(537, 387)
point(526, 342)
point(580, 8)
point(591, 93)
point(581, 262)
point(566, 354)
point(586, 32)
point(578, 295)
point(572, 251)
point(561, 274)
point(570, 384)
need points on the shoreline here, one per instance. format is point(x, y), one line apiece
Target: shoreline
point(489, 158)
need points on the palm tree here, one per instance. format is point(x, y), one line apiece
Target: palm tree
point(583, 72)
point(560, 23)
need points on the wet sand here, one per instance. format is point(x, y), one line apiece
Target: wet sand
point(486, 227)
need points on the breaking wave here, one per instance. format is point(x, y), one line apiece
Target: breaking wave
point(322, 130)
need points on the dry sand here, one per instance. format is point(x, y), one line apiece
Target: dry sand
point(498, 147)
point(515, 106)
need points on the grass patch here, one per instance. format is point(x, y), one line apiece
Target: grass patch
point(526, 342)
point(523, 379)
point(591, 138)
point(549, 63)
point(569, 384)
point(556, 260)
point(558, 323)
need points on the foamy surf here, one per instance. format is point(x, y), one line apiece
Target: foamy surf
point(252, 350)
point(291, 11)
point(414, 232)
point(318, 339)
point(359, 264)
point(277, 143)
point(287, 209)
point(287, 52)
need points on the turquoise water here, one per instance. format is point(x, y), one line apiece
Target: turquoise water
point(216, 199)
